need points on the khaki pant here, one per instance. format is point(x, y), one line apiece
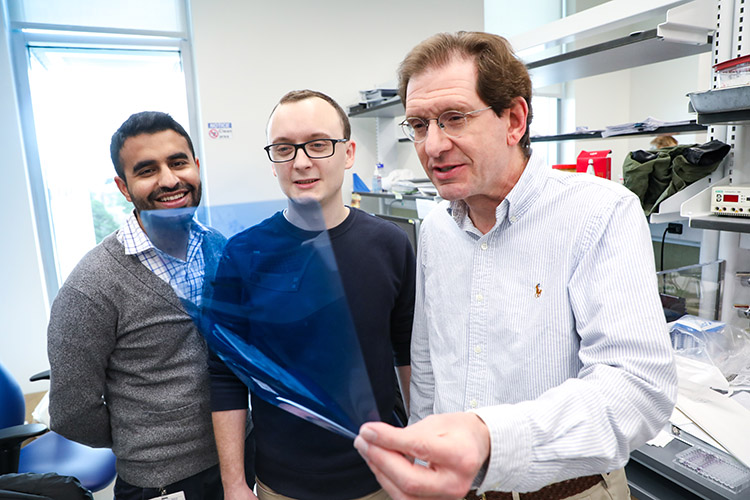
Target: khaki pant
point(266, 493)
point(614, 487)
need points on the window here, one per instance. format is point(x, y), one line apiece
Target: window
point(547, 103)
point(154, 15)
point(546, 121)
point(77, 81)
point(79, 97)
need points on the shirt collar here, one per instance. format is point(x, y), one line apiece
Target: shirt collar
point(136, 241)
point(518, 201)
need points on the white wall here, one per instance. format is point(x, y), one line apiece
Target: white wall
point(511, 18)
point(23, 348)
point(249, 54)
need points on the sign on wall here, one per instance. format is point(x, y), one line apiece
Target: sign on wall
point(220, 130)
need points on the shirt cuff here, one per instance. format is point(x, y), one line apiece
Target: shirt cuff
point(510, 448)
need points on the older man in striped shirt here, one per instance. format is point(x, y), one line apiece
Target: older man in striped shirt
point(540, 356)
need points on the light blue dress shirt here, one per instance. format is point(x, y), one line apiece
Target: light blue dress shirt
point(549, 327)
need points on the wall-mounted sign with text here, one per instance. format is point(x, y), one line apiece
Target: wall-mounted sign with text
point(220, 130)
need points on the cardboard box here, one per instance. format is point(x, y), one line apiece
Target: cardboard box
point(602, 162)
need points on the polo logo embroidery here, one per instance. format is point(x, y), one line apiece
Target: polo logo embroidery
point(537, 291)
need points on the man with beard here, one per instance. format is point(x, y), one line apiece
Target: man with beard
point(128, 365)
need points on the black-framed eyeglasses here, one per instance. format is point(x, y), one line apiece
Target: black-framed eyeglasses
point(315, 149)
point(451, 122)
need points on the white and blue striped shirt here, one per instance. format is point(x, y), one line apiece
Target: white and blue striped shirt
point(549, 327)
point(184, 276)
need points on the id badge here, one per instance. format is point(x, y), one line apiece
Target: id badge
point(180, 495)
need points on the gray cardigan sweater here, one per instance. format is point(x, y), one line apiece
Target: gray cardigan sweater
point(128, 368)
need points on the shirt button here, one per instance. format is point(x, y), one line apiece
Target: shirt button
point(484, 246)
point(474, 403)
point(477, 349)
point(513, 219)
point(480, 297)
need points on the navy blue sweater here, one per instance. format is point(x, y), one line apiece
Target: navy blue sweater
point(377, 268)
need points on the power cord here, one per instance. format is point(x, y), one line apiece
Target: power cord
point(672, 227)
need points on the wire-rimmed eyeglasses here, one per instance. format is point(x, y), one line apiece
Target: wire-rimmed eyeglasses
point(451, 122)
point(315, 149)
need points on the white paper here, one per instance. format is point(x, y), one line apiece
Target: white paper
point(647, 125)
point(684, 424)
point(743, 398)
point(700, 373)
point(662, 439)
point(720, 417)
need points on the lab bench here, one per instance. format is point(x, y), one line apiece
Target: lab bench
point(653, 474)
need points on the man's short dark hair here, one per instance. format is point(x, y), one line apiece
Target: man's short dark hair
point(501, 76)
point(145, 122)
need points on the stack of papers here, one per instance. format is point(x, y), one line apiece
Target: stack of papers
point(647, 125)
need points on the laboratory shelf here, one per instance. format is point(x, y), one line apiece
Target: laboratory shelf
point(383, 110)
point(395, 196)
point(390, 108)
point(721, 223)
point(669, 210)
point(725, 118)
point(637, 49)
point(729, 106)
point(693, 126)
point(697, 208)
point(401, 205)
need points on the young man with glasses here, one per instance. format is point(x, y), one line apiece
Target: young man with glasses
point(310, 149)
point(540, 356)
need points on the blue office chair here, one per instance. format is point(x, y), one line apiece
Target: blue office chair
point(50, 452)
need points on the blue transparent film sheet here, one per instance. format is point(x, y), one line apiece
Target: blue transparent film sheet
point(276, 313)
point(169, 230)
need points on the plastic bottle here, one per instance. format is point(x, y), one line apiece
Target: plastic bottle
point(377, 178)
point(590, 167)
